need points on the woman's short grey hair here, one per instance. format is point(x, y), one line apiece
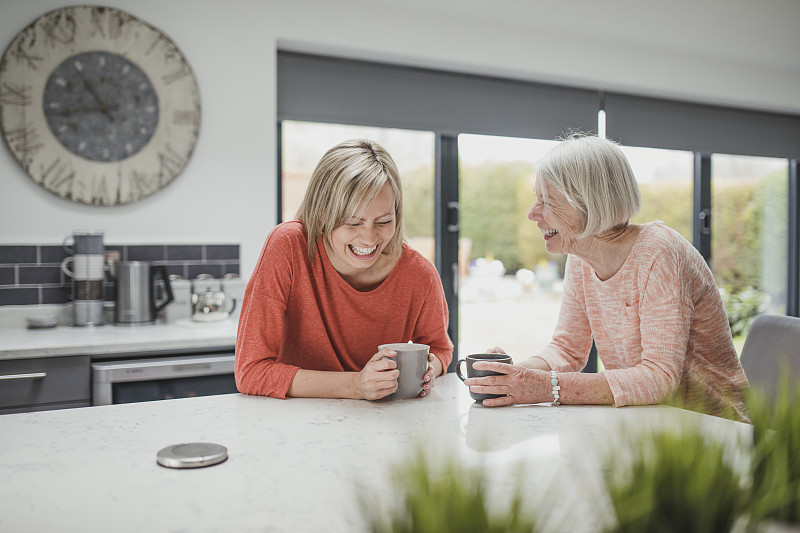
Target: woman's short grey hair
point(348, 177)
point(596, 179)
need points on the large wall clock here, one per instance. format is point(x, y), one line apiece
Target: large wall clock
point(97, 106)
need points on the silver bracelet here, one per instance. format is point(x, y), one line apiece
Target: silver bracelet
point(556, 387)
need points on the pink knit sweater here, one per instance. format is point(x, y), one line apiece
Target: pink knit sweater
point(659, 326)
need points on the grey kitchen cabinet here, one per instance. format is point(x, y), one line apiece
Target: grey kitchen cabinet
point(40, 384)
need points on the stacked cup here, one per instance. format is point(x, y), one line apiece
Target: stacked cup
point(87, 275)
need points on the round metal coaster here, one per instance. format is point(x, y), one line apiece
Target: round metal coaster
point(192, 455)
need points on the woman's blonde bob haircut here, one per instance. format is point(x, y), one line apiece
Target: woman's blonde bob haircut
point(345, 181)
point(596, 179)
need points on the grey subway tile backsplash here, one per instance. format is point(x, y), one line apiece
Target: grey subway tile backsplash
point(31, 274)
point(145, 253)
point(18, 254)
point(221, 251)
point(39, 275)
point(19, 295)
point(187, 253)
point(54, 295)
point(52, 254)
point(7, 275)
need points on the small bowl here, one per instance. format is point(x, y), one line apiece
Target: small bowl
point(45, 322)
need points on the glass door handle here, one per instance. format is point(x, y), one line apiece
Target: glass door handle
point(705, 221)
point(453, 215)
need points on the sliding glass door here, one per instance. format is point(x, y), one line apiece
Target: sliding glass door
point(304, 143)
point(749, 233)
point(466, 144)
point(510, 287)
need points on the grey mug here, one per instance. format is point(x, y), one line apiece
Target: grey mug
point(474, 373)
point(412, 362)
point(84, 242)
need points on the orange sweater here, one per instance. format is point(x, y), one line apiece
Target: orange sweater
point(296, 314)
point(659, 326)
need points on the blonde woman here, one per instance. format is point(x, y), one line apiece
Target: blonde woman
point(643, 293)
point(332, 285)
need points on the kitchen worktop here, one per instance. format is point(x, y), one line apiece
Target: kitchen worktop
point(297, 465)
point(17, 342)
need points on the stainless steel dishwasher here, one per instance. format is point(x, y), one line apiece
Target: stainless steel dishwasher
point(162, 376)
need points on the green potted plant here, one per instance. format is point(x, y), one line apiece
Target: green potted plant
point(444, 497)
point(775, 489)
point(673, 481)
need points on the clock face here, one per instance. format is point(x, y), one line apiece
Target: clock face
point(97, 106)
point(100, 106)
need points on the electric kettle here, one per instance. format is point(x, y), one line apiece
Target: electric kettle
point(137, 303)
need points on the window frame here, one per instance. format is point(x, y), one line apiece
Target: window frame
point(317, 88)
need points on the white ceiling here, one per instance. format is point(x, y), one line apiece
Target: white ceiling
point(758, 31)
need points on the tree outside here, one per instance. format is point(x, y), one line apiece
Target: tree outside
point(749, 242)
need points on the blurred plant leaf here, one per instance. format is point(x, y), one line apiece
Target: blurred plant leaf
point(775, 491)
point(673, 481)
point(446, 497)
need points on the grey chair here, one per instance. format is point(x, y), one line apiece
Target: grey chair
point(772, 347)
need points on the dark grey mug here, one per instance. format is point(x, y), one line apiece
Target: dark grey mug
point(473, 373)
point(84, 242)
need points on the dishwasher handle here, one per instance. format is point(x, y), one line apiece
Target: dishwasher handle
point(30, 375)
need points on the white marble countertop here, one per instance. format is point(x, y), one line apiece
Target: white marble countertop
point(19, 342)
point(294, 465)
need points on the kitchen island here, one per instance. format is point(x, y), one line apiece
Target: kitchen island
point(297, 465)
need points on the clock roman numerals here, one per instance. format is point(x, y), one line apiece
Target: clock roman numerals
point(169, 164)
point(92, 190)
point(60, 27)
point(117, 20)
point(108, 23)
point(25, 142)
point(141, 185)
point(59, 177)
point(19, 53)
point(165, 47)
point(158, 40)
point(16, 94)
point(97, 24)
point(99, 191)
point(172, 77)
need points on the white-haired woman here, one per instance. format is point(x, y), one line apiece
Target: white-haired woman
point(337, 282)
point(643, 293)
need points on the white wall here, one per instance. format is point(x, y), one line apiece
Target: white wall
point(732, 52)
